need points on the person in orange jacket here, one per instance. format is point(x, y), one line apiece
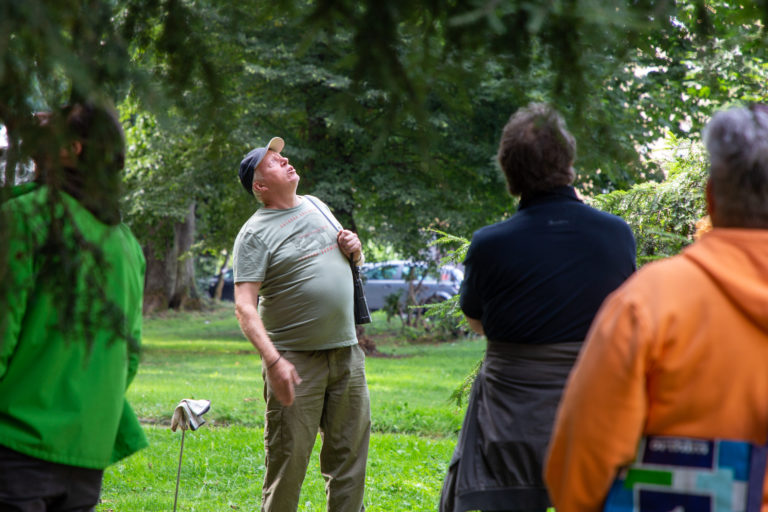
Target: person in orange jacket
point(681, 349)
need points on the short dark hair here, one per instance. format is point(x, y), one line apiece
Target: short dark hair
point(99, 131)
point(536, 151)
point(96, 179)
point(737, 142)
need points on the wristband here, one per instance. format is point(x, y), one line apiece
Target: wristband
point(273, 363)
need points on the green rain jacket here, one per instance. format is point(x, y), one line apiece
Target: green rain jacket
point(62, 399)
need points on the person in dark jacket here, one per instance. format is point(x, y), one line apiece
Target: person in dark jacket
point(533, 284)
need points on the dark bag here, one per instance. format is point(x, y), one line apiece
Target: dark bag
point(362, 314)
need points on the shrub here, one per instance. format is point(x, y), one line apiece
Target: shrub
point(663, 216)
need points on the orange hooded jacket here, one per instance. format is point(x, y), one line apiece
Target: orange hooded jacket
point(680, 349)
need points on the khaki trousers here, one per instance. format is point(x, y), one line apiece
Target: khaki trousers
point(332, 399)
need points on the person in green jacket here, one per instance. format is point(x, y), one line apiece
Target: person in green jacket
point(71, 285)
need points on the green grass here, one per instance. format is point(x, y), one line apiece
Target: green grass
point(204, 355)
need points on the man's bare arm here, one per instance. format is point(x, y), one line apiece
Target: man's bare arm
point(476, 325)
point(281, 373)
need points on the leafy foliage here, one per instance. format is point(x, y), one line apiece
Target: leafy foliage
point(460, 395)
point(663, 216)
point(67, 50)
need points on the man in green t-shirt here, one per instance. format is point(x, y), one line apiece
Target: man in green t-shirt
point(294, 302)
point(71, 284)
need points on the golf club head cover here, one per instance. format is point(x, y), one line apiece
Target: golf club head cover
point(189, 414)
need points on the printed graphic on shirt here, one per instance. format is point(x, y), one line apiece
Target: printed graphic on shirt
point(317, 238)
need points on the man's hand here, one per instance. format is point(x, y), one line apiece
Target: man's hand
point(283, 379)
point(350, 245)
point(476, 325)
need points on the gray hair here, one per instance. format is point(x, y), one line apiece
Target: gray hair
point(737, 141)
point(536, 151)
point(257, 176)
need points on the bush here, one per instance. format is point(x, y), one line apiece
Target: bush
point(663, 216)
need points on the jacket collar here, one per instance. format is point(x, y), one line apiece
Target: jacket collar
point(557, 194)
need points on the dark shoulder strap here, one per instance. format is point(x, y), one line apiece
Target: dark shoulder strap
point(337, 228)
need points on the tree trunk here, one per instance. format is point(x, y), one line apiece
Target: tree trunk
point(220, 280)
point(170, 276)
point(365, 342)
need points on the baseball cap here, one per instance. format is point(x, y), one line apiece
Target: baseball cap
point(254, 158)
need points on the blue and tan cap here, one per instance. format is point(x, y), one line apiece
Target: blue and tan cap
point(254, 158)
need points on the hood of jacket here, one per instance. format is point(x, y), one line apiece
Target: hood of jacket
point(737, 261)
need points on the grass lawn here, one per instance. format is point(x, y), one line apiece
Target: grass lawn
point(204, 355)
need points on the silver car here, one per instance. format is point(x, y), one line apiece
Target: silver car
point(383, 279)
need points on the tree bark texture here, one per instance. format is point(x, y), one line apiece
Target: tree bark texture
point(170, 276)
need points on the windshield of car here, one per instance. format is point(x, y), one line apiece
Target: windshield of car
point(405, 272)
point(383, 272)
point(417, 273)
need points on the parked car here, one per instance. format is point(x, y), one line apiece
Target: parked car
point(383, 279)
